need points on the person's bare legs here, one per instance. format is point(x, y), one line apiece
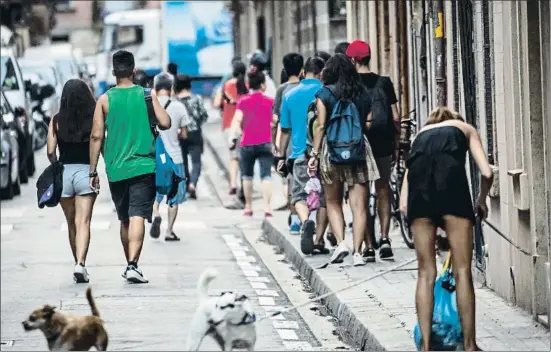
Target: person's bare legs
point(460, 235)
point(125, 226)
point(383, 205)
point(136, 230)
point(248, 191)
point(321, 225)
point(234, 172)
point(358, 197)
point(83, 216)
point(424, 236)
point(333, 196)
point(156, 206)
point(68, 207)
point(267, 195)
point(172, 214)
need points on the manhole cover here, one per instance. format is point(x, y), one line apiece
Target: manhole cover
point(6, 342)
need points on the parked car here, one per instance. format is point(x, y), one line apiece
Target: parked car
point(17, 93)
point(61, 54)
point(9, 160)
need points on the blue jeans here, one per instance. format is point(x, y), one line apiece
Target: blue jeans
point(182, 189)
point(192, 152)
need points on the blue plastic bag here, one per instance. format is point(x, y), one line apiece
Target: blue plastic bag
point(447, 334)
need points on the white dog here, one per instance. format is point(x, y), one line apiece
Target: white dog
point(228, 318)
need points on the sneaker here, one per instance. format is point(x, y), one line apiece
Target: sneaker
point(307, 237)
point(155, 230)
point(80, 274)
point(135, 275)
point(294, 229)
point(369, 255)
point(332, 239)
point(124, 273)
point(192, 193)
point(340, 253)
point(385, 250)
point(357, 259)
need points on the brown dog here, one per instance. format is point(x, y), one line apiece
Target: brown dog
point(69, 333)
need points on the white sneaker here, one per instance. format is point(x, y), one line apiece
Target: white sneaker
point(135, 275)
point(80, 274)
point(358, 260)
point(340, 253)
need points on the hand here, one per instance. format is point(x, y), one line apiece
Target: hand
point(233, 144)
point(94, 184)
point(153, 93)
point(313, 163)
point(481, 209)
point(275, 149)
point(281, 167)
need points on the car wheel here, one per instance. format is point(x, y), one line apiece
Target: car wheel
point(7, 193)
point(31, 167)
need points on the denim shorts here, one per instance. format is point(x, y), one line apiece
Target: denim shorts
point(249, 154)
point(76, 180)
point(181, 195)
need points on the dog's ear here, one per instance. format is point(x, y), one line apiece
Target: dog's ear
point(241, 298)
point(226, 292)
point(48, 311)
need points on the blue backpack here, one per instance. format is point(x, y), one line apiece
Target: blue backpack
point(344, 133)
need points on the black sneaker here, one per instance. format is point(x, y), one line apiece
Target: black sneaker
point(307, 237)
point(385, 250)
point(155, 230)
point(332, 239)
point(369, 255)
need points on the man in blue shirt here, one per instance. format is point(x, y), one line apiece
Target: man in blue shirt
point(293, 122)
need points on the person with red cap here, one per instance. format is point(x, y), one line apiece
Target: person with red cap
point(383, 135)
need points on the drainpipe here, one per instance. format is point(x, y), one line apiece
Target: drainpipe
point(440, 53)
point(403, 53)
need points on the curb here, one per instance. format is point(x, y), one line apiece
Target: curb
point(354, 332)
point(223, 167)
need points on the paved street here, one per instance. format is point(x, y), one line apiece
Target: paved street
point(37, 269)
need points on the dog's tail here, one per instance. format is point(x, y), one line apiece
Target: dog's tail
point(92, 303)
point(204, 280)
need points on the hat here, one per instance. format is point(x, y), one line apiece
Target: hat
point(358, 50)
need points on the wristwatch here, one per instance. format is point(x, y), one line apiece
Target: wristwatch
point(93, 174)
point(314, 154)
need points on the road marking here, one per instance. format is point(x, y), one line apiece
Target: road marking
point(13, 212)
point(276, 317)
point(248, 266)
point(285, 324)
point(258, 279)
point(266, 301)
point(185, 224)
point(287, 334)
point(250, 273)
point(6, 228)
point(258, 285)
point(298, 346)
point(94, 225)
point(271, 293)
point(237, 253)
point(272, 309)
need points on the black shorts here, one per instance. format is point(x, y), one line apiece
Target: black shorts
point(134, 197)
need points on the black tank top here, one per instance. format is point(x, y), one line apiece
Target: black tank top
point(72, 152)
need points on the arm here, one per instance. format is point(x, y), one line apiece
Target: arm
point(236, 123)
point(320, 128)
point(98, 133)
point(218, 103)
point(404, 194)
point(479, 156)
point(184, 121)
point(52, 143)
point(284, 128)
point(160, 112)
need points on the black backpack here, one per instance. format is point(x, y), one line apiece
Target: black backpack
point(382, 132)
point(49, 185)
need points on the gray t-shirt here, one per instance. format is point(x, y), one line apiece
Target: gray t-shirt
point(171, 137)
point(276, 109)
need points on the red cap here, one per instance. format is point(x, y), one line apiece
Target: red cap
point(358, 50)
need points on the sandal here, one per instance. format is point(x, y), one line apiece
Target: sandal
point(320, 249)
point(172, 237)
point(267, 214)
point(248, 212)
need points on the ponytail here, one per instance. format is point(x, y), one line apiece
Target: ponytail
point(241, 85)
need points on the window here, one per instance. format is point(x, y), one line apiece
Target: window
point(46, 73)
point(9, 78)
point(64, 6)
point(128, 35)
point(337, 9)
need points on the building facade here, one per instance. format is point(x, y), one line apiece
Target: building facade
point(490, 60)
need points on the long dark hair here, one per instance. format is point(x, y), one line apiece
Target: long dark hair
point(340, 71)
point(239, 72)
point(76, 112)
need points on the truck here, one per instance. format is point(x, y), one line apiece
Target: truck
point(195, 35)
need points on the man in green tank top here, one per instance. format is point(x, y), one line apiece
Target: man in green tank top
point(129, 155)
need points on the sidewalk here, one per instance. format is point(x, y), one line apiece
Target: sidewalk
point(380, 314)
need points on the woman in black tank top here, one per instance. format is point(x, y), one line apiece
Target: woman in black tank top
point(69, 132)
point(436, 194)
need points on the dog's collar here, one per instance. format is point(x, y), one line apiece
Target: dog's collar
point(246, 320)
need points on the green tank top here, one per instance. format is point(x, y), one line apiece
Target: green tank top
point(129, 149)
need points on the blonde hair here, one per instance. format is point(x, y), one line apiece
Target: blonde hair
point(441, 114)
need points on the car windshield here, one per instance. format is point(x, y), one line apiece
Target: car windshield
point(8, 77)
point(66, 67)
point(46, 73)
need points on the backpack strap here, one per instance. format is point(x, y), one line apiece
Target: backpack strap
point(167, 104)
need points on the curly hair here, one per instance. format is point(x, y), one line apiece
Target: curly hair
point(76, 112)
point(340, 71)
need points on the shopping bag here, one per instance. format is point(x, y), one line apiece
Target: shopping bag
point(313, 190)
point(447, 334)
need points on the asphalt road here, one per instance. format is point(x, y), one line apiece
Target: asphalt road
point(36, 268)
